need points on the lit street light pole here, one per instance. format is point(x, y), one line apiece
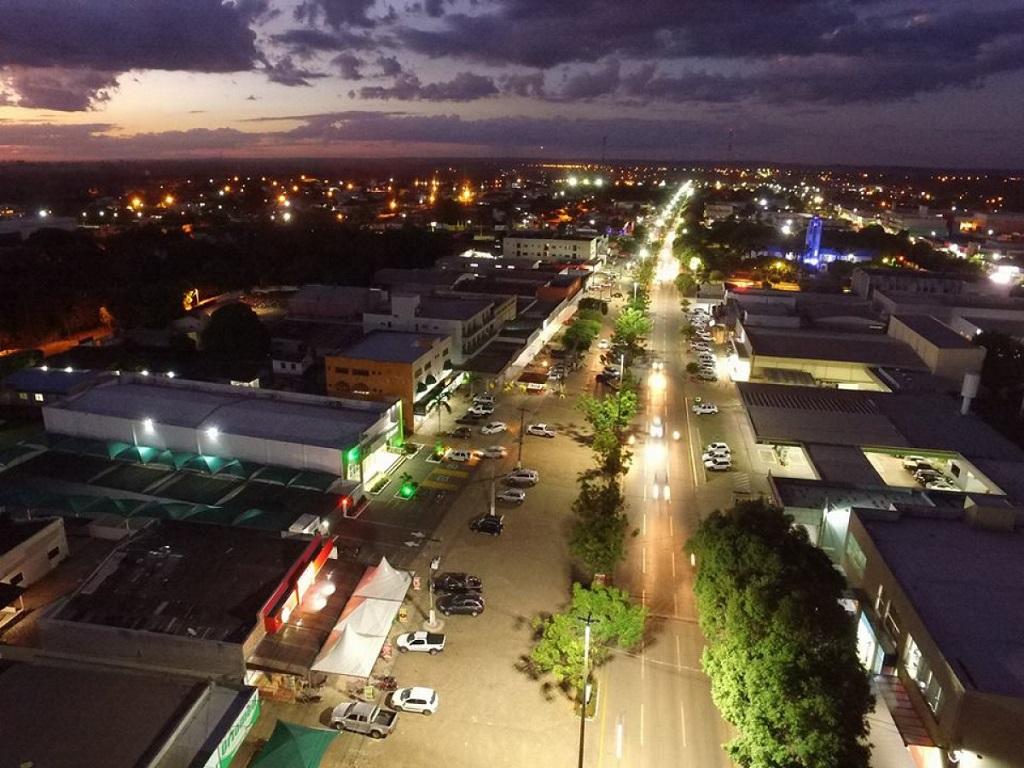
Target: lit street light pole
point(585, 691)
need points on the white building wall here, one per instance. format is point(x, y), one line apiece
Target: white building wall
point(32, 560)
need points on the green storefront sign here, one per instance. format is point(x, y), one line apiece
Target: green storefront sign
point(225, 751)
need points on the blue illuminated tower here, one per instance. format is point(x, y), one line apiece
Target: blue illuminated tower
point(813, 242)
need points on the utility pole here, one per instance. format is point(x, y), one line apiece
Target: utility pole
point(584, 693)
point(522, 433)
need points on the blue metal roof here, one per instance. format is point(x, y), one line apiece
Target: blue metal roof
point(52, 381)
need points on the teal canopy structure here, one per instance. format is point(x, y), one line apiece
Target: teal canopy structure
point(294, 746)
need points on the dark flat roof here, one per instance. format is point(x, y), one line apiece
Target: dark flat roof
point(52, 381)
point(392, 346)
point(866, 348)
point(935, 331)
point(15, 532)
point(72, 716)
point(453, 308)
point(973, 611)
point(186, 579)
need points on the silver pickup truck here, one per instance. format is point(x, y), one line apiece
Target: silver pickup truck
point(363, 717)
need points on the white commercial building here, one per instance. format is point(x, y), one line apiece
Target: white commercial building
point(304, 432)
point(548, 246)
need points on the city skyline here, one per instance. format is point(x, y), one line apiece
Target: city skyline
point(798, 82)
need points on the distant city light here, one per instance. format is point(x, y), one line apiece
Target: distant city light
point(286, 216)
point(573, 181)
point(212, 432)
point(147, 424)
point(69, 369)
point(43, 213)
point(144, 372)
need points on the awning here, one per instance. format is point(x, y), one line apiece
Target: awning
point(294, 746)
point(354, 644)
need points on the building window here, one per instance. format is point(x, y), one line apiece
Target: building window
point(23, 395)
point(855, 555)
point(53, 553)
point(17, 578)
point(341, 370)
point(892, 621)
point(360, 372)
point(920, 671)
point(39, 397)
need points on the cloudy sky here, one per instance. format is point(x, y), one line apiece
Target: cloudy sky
point(925, 82)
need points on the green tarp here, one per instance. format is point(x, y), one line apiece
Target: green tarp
point(294, 746)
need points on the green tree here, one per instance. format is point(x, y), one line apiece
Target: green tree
point(235, 330)
point(608, 416)
point(582, 331)
point(686, 284)
point(617, 623)
point(630, 327)
point(781, 650)
point(598, 537)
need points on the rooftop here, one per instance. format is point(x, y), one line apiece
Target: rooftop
point(51, 381)
point(444, 308)
point(525, 234)
point(186, 579)
point(866, 348)
point(934, 331)
point(13, 533)
point(113, 719)
point(392, 346)
point(861, 418)
point(974, 612)
point(271, 415)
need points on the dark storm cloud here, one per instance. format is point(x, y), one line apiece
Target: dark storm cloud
point(465, 86)
point(306, 42)
point(69, 57)
point(349, 66)
point(287, 72)
point(389, 66)
point(118, 35)
point(875, 52)
point(336, 13)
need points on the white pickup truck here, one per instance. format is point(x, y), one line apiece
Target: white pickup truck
point(363, 717)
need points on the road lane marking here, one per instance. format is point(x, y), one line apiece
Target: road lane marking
point(682, 721)
point(673, 564)
point(644, 528)
point(679, 654)
point(643, 560)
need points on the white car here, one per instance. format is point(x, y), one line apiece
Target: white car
point(511, 496)
point(657, 428)
point(421, 700)
point(460, 456)
point(523, 477)
point(481, 409)
point(483, 400)
point(603, 344)
point(717, 448)
point(494, 428)
point(424, 642)
point(494, 452)
point(540, 430)
point(940, 484)
point(717, 463)
point(704, 409)
point(914, 463)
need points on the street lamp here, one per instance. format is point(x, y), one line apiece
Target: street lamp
point(585, 688)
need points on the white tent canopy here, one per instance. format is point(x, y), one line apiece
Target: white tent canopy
point(355, 642)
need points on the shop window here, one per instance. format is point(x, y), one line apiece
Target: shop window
point(920, 671)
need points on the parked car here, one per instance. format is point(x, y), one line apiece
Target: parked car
point(718, 448)
point(481, 409)
point(657, 428)
point(461, 433)
point(469, 603)
point(460, 456)
point(540, 430)
point(704, 409)
point(706, 376)
point(603, 344)
point(717, 463)
point(490, 524)
point(494, 452)
point(617, 295)
point(511, 496)
point(423, 642)
point(913, 463)
point(483, 400)
point(457, 581)
point(942, 484)
point(612, 371)
point(924, 476)
point(363, 717)
point(611, 381)
point(468, 418)
point(416, 699)
point(523, 477)
point(494, 428)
